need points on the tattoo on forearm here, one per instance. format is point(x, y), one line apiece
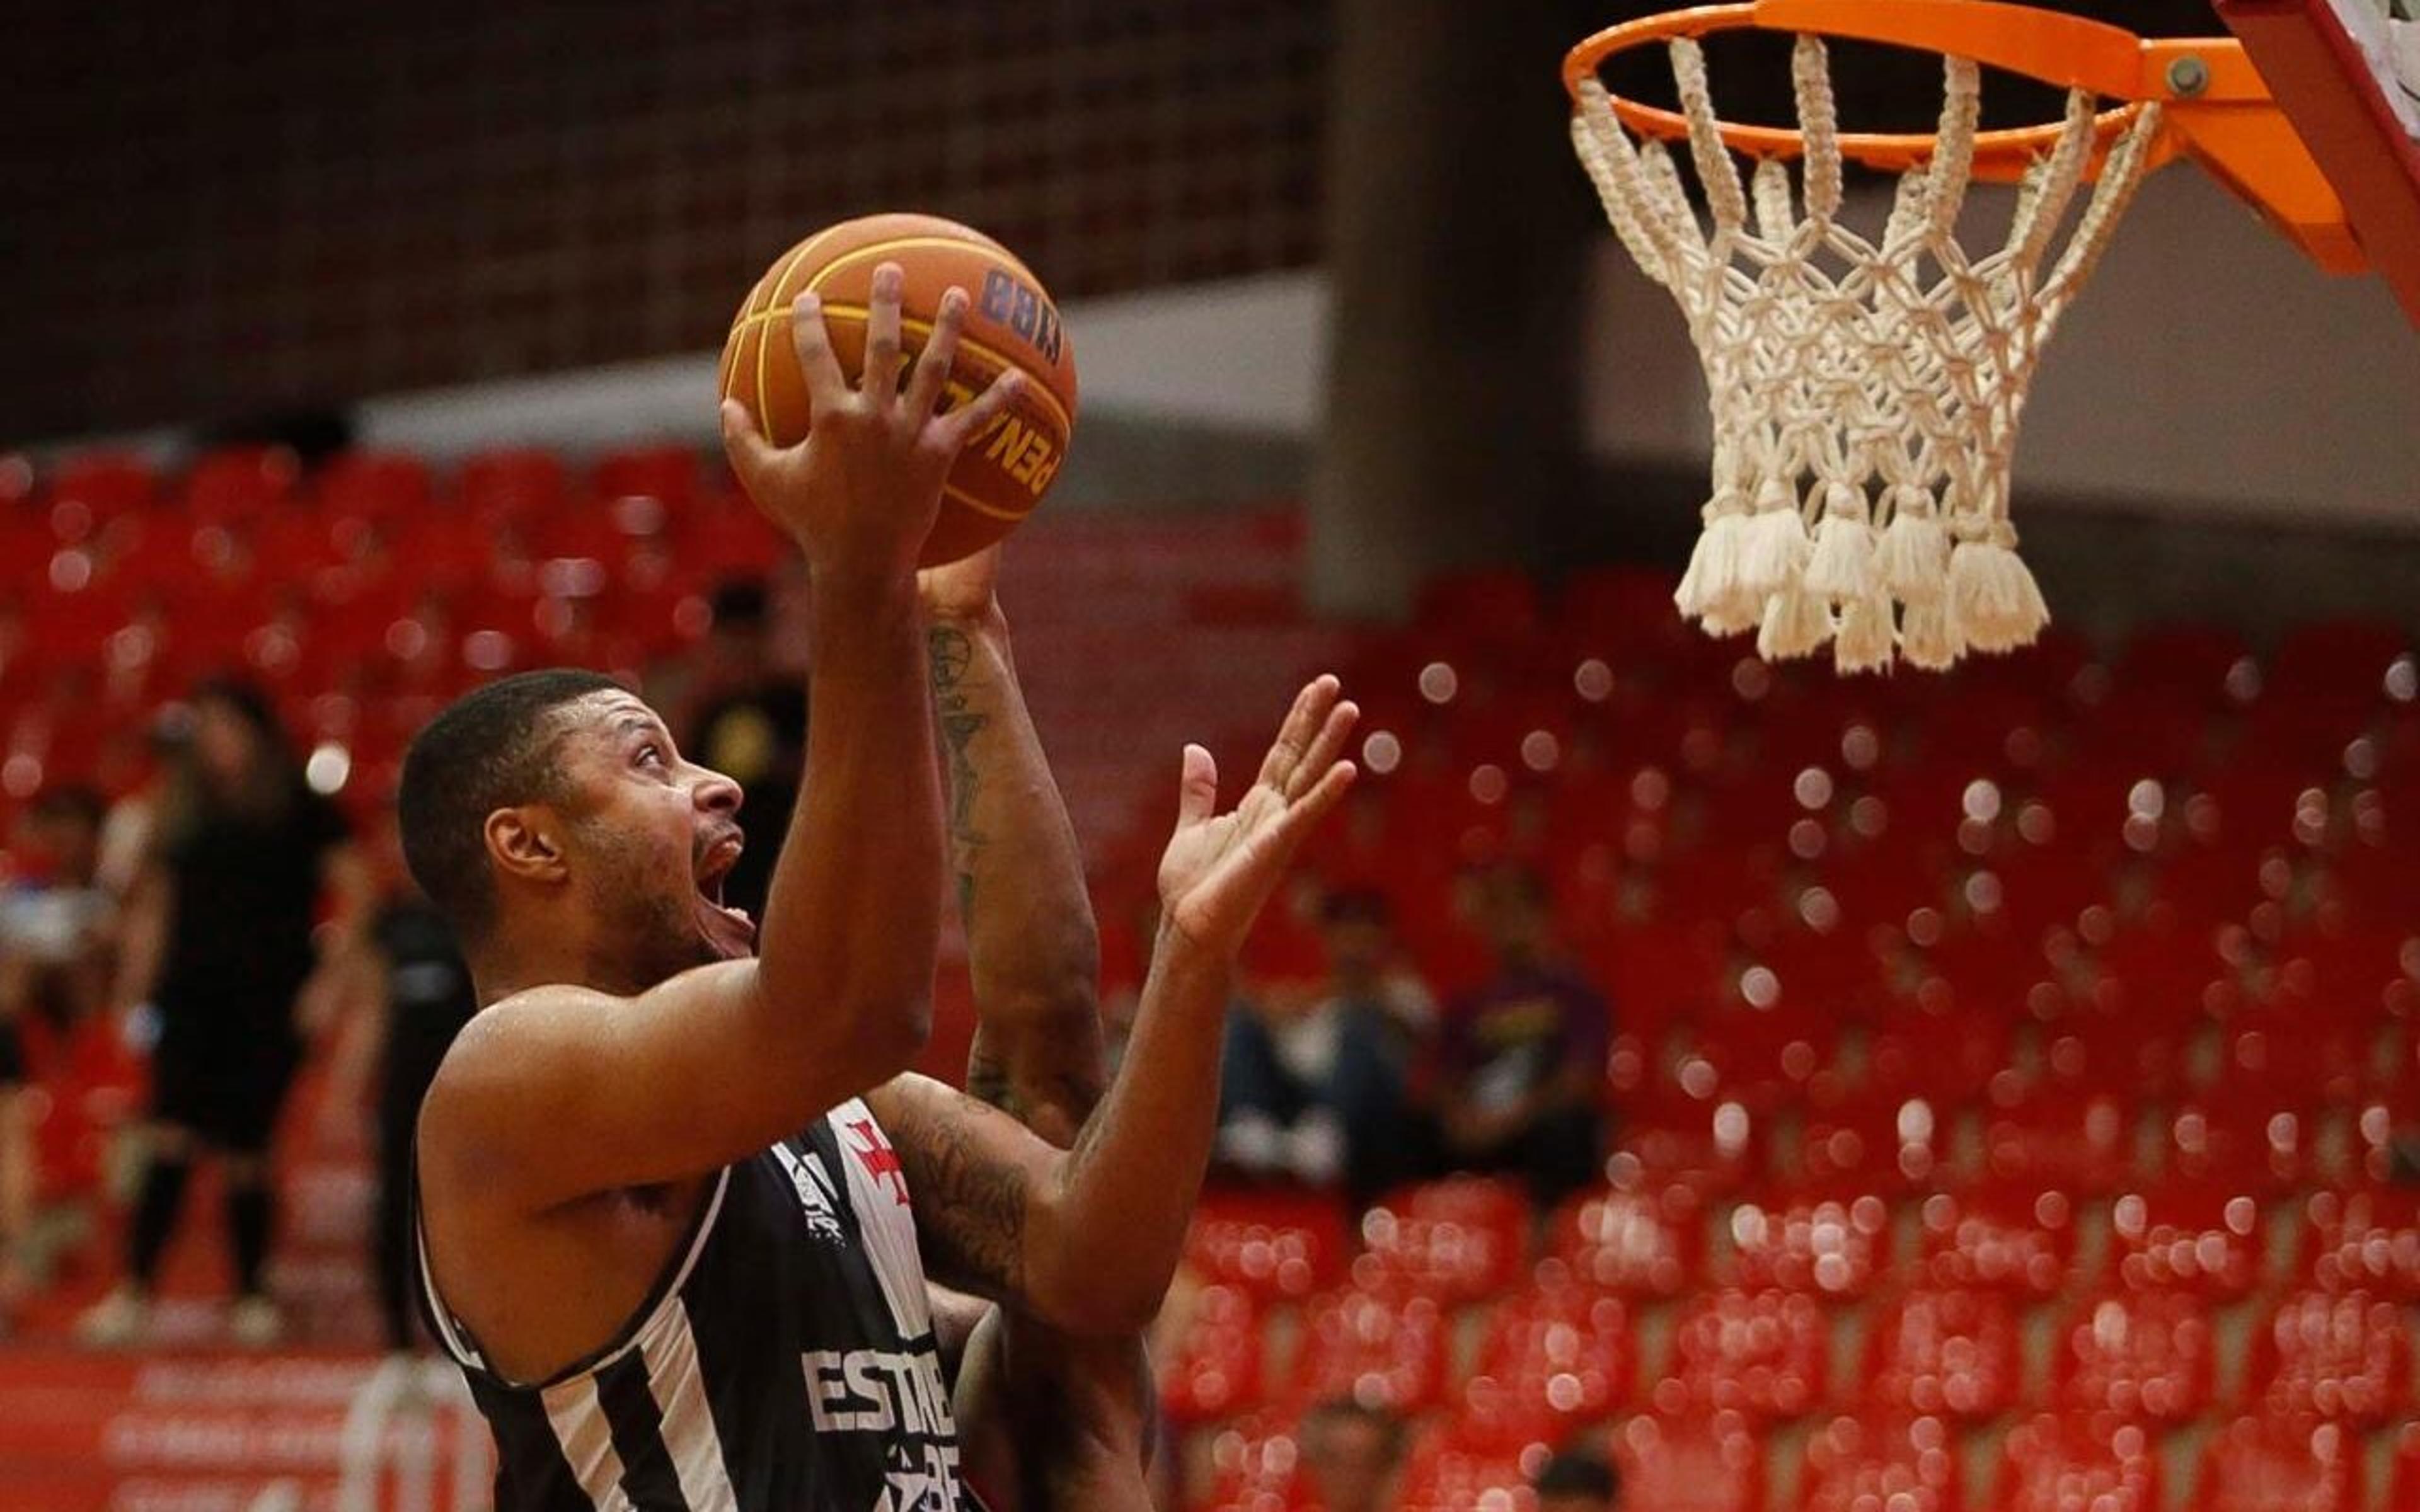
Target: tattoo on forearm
point(972, 1203)
point(952, 663)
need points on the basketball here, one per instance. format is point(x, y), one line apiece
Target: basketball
point(1011, 322)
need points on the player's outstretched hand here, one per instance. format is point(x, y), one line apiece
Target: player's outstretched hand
point(860, 494)
point(1219, 869)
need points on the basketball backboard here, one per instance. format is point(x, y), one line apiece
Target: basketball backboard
point(2348, 72)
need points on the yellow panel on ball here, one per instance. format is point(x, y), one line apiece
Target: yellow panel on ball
point(1011, 322)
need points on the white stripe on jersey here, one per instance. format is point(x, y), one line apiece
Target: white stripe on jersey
point(679, 1390)
point(885, 1223)
point(580, 1427)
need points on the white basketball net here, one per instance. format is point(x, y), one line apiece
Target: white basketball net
point(1864, 414)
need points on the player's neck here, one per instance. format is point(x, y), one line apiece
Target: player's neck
point(551, 953)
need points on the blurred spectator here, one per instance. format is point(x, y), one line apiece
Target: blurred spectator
point(1578, 1483)
point(1523, 1055)
point(219, 942)
point(1349, 1452)
point(750, 724)
point(403, 1001)
point(56, 934)
point(1314, 1082)
point(126, 833)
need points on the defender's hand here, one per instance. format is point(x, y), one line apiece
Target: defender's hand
point(1218, 872)
point(860, 493)
point(961, 592)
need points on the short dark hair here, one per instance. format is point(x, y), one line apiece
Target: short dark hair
point(1578, 1474)
point(489, 750)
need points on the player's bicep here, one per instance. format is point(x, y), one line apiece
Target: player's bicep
point(561, 1092)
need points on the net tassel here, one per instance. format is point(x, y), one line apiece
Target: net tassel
point(1927, 635)
point(1999, 604)
point(1709, 588)
point(1842, 565)
point(1913, 559)
point(1864, 644)
point(1796, 622)
point(1773, 555)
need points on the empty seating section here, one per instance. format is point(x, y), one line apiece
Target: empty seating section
point(2015, 1076)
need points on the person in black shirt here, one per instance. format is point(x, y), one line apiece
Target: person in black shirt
point(750, 724)
point(220, 943)
point(416, 989)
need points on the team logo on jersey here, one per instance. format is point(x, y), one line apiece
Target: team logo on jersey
point(880, 1161)
point(818, 1195)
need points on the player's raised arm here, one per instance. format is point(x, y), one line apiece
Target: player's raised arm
point(1087, 1239)
point(559, 1091)
point(1032, 946)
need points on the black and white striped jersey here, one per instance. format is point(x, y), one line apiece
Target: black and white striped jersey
point(784, 1362)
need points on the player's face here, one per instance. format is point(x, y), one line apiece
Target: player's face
point(652, 839)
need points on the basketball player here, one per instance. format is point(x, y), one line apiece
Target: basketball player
point(1050, 1421)
point(666, 1183)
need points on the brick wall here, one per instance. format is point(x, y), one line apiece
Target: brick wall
point(218, 207)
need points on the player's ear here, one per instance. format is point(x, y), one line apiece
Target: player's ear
point(525, 841)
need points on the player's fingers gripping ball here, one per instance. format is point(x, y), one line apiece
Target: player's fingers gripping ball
point(1011, 322)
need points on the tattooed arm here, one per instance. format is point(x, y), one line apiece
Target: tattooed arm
point(1032, 946)
point(1086, 1239)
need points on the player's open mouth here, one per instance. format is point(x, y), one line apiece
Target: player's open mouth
point(730, 930)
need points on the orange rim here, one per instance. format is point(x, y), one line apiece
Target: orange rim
point(2057, 49)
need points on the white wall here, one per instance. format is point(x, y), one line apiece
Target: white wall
point(1243, 355)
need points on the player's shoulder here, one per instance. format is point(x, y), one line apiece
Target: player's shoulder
point(493, 1063)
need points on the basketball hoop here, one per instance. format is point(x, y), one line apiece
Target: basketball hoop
point(1865, 410)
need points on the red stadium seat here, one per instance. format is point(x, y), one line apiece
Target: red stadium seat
point(1558, 1352)
point(2144, 1357)
point(1704, 1147)
point(1759, 1058)
point(2364, 1241)
point(1948, 1056)
point(1948, 1353)
point(1256, 1466)
point(1881, 1142)
point(372, 485)
point(1829, 1246)
point(1272, 1246)
point(1456, 1469)
point(1458, 1241)
point(2082, 1144)
point(1701, 1465)
point(1381, 1347)
point(2252, 1145)
point(1215, 1368)
point(2013, 1240)
point(2210, 1241)
point(2403, 1487)
point(1632, 1243)
point(1853, 1466)
point(1766, 1354)
point(668, 475)
point(2050, 1464)
point(2267, 1465)
point(2343, 1356)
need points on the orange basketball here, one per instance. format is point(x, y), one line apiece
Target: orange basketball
point(1005, 471)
